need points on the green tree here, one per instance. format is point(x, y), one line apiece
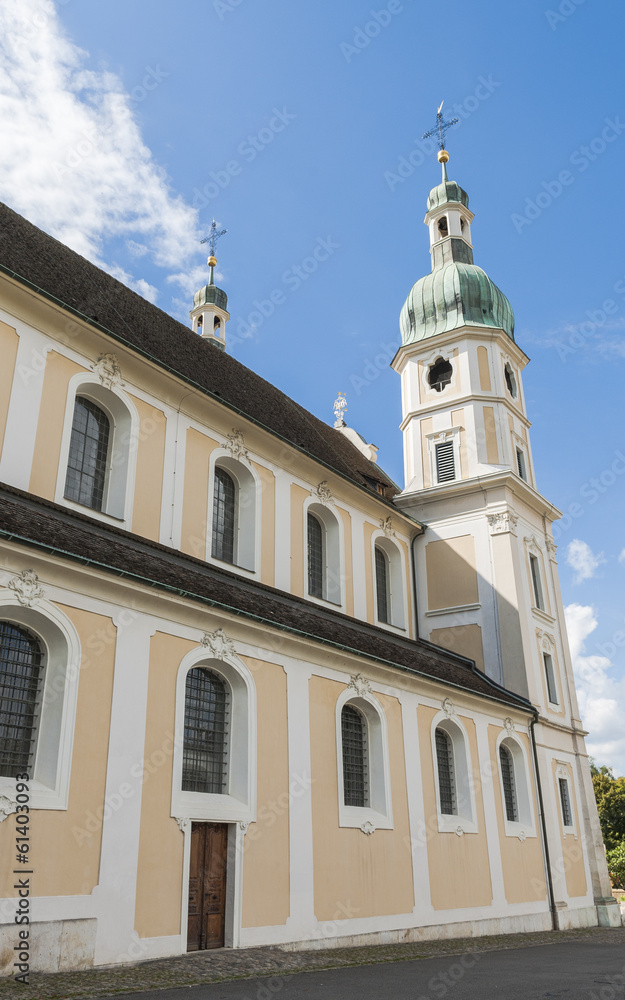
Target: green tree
point(610, 796)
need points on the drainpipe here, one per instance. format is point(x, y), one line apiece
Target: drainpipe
point(543, 828)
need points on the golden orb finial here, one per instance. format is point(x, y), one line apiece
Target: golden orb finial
point(443, 156)
point(212, 261)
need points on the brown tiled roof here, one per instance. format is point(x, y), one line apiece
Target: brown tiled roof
point(27, 519)
point(34, 258)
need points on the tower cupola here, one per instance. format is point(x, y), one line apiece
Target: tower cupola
point(210, 305)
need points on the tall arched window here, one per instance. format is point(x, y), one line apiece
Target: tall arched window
point(382, 584)
point(446, 773)
point(509, 784)
point(88, 455)
point(355, 757)
point(315, 556)
point(206, 726)
point(224, 516)
point(21, 672)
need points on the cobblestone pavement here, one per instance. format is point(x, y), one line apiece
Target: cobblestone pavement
point(220, 966)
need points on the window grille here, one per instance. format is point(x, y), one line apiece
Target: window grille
point(440, 375)
point(551, 679)
point(315, 557)
point(224, 516)
point(381, 582)
point(520, 461)
point(355, 762)
point(567, 815)
point(509, 788)
point(446, 775)
point(206, 722)
point(445, 465)
point(536, 583)
point(88, 455)
point(21, 677)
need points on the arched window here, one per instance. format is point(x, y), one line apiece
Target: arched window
point(509, 784)
point(382, 584)
point(315, 556)
point(446, 773)
point(88, 455)
point(206, 723)
point(355, 757)
point(224, 516)
point(440, 374)
point(21, 674)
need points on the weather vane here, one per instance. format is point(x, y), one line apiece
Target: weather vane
point(340, 408)
point(211, 239)
point(439, 130)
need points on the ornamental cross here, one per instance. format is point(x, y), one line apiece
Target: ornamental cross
point(441, 127)
point(213, 236)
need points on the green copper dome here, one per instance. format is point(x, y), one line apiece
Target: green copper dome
point(446, 192)
point(211, 295)
point(454, 295)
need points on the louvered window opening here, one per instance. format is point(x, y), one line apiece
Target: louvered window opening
point(446, 776)
point(21, 679)
point(440, 375)
point(355, 757)
point(206, 732)
point(520, 461)
point(445, 466)
point(381, 583)
point(509, 789)
point(536, 583)
point(224, 516)
point(88, 455)
point(315, 557)
point(551, 679)
point(567, 815)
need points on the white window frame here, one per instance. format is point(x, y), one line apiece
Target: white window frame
point(536, 583)
point(546, 647)
point(334, 589)
point(238, 804)
point(51, 769)
point(442, 437)
point(379, 812)
point(119, 483)
point(525, 826)
point(562, 773)
point(248, 492)
point(396, 577)
point(465, 819)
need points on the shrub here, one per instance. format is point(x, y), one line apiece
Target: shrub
point(616, 866)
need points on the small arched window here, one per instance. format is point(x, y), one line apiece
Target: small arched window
point(88, 455)
point(206, 727)
point(510, 381)
point(440, 374)
point(21, 674)
point(315, 556)
point(446, 773)
point(224, 517)
point(355, 757)
point(509, 784)
point(382, 584)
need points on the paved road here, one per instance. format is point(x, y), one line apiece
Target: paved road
point(569, 971)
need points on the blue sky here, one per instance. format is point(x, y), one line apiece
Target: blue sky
point(126, 127)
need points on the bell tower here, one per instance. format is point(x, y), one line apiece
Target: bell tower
point(210, 305)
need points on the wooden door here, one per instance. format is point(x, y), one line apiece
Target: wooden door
point(207, 886)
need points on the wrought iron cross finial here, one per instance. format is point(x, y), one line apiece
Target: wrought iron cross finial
point(213, 236)
point(441, 127)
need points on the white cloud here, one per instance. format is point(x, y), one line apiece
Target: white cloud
point(621, 558)
point(580, 557)
point(72, 159)
point(601, 696)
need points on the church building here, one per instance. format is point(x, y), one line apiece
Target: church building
point(251, 691)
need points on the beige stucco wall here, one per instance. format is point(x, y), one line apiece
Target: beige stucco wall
point(361, 875)
point(266, 901)
point(65, 845)
point(484, 369)
point(457, 420)
point(459, 867)
point(522, 862)
point(9, 342)
point(347, 584)
point(368, 530)
point(490, 434)
point(426, 428)
point(59, 370)
point(195, 504)
point(268, 524)
point(463, 639)
point(146, 512)
point(159, 874)
point(572, 848)
point(298, 495)
point(451, 573)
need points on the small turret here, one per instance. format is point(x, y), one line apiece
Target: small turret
point(210, 305)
